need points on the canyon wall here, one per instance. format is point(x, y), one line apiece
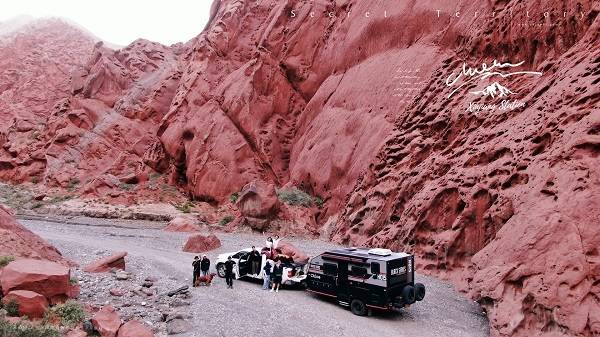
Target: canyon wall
point(357, 110)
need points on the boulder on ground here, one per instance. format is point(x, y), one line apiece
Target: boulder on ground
point(107, 321)
point(116, 292)
point(178, 326)
point(258, 200)
point(47, 278)
point(18, 241)
point(134, 328)
point(103, 265)
point(199, 243)
point(31, 304)
point(290, 250)
point(182, 224)
point(77, 332)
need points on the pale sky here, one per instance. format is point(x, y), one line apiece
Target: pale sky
point(121, 21)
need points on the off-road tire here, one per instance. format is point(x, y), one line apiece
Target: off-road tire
point(221, 270)
point(419, 291)
point(408, 294)
point(358, 307)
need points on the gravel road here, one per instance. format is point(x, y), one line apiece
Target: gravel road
point(247, 310)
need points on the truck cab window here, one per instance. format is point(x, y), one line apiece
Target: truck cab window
point(330, 268)
point(375, 268)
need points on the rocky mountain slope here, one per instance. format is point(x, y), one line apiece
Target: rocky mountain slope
point(19, 242)
point(357, 109)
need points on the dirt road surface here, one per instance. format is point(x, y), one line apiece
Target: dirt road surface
point(247, 310)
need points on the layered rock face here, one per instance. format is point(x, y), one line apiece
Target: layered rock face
point(359, 110)
point(94, 131)
point(35, 66)
point(503, 201)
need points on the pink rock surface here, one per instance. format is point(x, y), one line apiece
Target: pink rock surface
point(182, 224)
point(107, 321)
point(134, 328)
point(31, 304)
point(41, 276)
point(18, 241)
point(200, 243)
point(503, 203)
point(77, 332)
point(294, 252)
point(116, 260)
point(116, 292)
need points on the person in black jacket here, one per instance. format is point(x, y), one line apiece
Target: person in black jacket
point(229, 272)
point(254, 260)
point(267, 274)
point(204, 265)
point(276, 276)
point(196, 266)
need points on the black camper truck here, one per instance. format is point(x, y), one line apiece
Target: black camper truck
point(365, 279)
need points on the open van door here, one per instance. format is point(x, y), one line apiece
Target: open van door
point(243, 264)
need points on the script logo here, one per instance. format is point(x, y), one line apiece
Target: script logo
point(468, 75)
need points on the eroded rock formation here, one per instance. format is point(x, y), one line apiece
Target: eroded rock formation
point(503, 202)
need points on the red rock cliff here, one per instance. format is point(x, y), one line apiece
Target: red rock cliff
point(357, 110)
point(505, 203)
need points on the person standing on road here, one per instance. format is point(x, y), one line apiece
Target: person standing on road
point(254, 259)
point(267, 274)
point(276, 276)
point(196, 266)
point(229, 272)
point(204, 265)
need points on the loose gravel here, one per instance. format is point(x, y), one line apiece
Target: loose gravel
point(246, 310)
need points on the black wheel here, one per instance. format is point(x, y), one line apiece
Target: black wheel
point(358, 307)
point(221, 270)
point(419, 291)
point(408, 294)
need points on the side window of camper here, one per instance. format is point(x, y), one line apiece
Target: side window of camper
point(330, 268)
point(375, 268)
point(359, 271)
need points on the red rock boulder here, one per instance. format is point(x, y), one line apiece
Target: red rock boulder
point(31, 304)
point(258, 199)
point(77, 332)
point(199, 243)
point(134, 329)
point(116, 292)
point(182, 224)
point(47, 278)
point(107, 321)
point(290, 250)
point(18, 241)
point(103, 265)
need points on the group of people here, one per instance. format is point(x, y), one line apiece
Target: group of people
point(273, 274)
point(201, 267)
point(272, 270)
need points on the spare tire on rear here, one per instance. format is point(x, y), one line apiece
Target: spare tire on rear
point(419, 291)
point(408, 294)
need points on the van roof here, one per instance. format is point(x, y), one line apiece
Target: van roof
point(364, 254)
